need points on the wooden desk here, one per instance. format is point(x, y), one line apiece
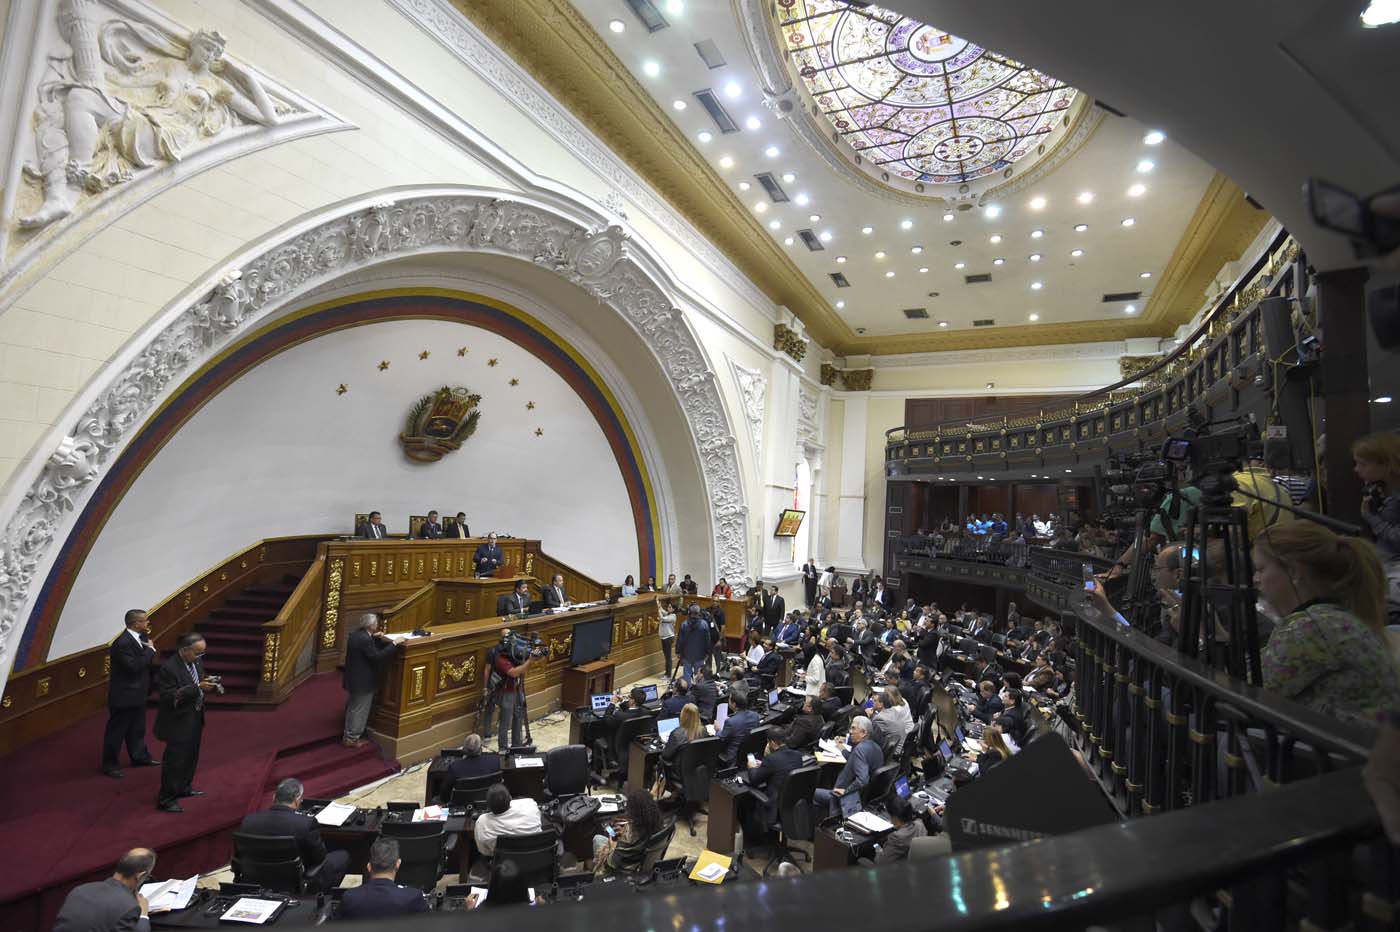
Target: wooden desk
point(723, 818)
point(642, 758)
point(584, 681)
point(830, 852)
point(521, 781)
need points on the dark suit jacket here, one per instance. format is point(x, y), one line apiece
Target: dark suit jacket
point(487, 559)
point(773, 615)
point(771, 775)
point(449, 529)
point(510, 605)
point(478, 766)
point(705, 695)
point(829, 707)
point(363, 530)
point(181, 713)
point(380, 896)
point(671, 706)
point(130, 680)
point(735, 729)
point(430, 530)
point(805, 730)
point(284, 820)
point(103, 906)
point(865, 758)
point(770, 663)
point(554, 598)
point(896, 845)
point(364, 659)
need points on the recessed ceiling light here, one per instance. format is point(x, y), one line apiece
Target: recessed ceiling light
point(960, 265)
point(991, 211)
point(802, 199)
point(1137, 190)
point(1037, 234)
point(1036, 286)
point(704, 135)
point(947, 218)
point(733, 90)
point(1380, 13)
point(753, 122)
point(1076, 253)
point(675, 7)
point(617, 25)
point(1037, 203)
point(1154, 137)
point(1382, 400)
point(760, 206)
point(1130, 309)
point(880, 254)
point(726, 162)
point(994, 238)
point(1069, 470)
point(651, 68)
point(1085, 197)
point(772, 152)
point(1033, 318)
point(906, 224)
point(1080, 227)
point(942, 323)
point(1128, 221)
point(789, 177)
point(744, 186)
point(1146, 165)
point(1036, 257)
point(998, 261)
point(889, 274)
point(916, 249)
point(787, 241)
point(867, 230)
point(1144, 275)
point(840, 304)
point(678, 104)
point(825, 237)
point(923, 270)
point(813, 218)
point(840, 259)
point(775, 224)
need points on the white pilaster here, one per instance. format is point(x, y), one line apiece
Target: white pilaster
point(850, 525)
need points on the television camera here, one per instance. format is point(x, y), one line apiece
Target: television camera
point(520, 647)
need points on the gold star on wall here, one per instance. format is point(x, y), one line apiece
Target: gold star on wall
point(514, 382)
point(383, 364)
point(539, 431)
point(461, 351)
point(492, 361)
point(529, 406)
point(342, 389)
point(424, 355)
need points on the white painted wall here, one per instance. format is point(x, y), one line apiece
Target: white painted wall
point(279, 452)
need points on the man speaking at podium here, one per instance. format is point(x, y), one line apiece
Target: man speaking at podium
point(554, 596)
point(488, 557)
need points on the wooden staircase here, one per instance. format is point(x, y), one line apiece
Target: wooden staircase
point(234, 633)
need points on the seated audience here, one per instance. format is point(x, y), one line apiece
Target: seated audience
point(431, 529)
point(111, 905)
point(994, 748)
point(472, 763)
point(379, 895)
point(650, 586)
point(458, 527)
point(505, 816)
point(892, 720)
point(628, 850)
point(828, 703)
point(1042, 678)
point(680, 697)
point(705, 694)
point(864, 758)
point(517, 602)
point(780, 759)
point(772, 660)
point(689, 586)
point(690, 729)
point(1328, 653)
point(372, 528)
point(907, 827)
point(789, 632)
point(620, 711)
point(806, 728)
point(1013, 720)
point(284, 819)
point(741, 721)
point(989, 704)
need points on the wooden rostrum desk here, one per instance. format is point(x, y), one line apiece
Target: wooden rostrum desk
point(432, 691)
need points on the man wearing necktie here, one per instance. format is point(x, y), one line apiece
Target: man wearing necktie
point(554, 596)
point(432, 528)
point(488, 557)
point(373, 529)
point(180, 719)
point(517, 603)
point(459, 528)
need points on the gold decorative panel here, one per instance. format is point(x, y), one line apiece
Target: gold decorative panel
point(106, 665)
point(355, 569)
point(435, 564)
point(420, 567)
point(82, 672)
point(403, 573)
point(461, 566)
point(653, 624)
point(633, 630)
point(41, 688)
point(457, 674)
point(332, 602)
point(447, 605)
point(189, 596)
point(269, 662)
point(561, 646)
point(417, 690)
point(374, 569)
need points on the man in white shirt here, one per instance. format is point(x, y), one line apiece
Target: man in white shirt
point(507, 817)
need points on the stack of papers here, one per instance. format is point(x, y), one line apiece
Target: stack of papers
point(528, 762)
point(430, 814)
point(251, 909)
point(609, 804)
point(870, 823)
point(335, 814)
point(169, 895)
point(711, 867)
point(401, 636)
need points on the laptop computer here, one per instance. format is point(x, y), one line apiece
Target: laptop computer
point(945, 750)
point(666, 726)
point(773, 698)
point(650, 694)
point(600, 701)
point(901, 787)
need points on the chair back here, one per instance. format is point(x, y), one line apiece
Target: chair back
point(847, 694)
point(796, 812)
point(270, 861)
point(360, 518)
point(566, 770)
point(752, 743)
point(699, 762)
point(420, 852)
point(534, 856)
point(471, 791)
point(415, 524)
point(881, 783)
point(656, 847)
point(629, 729)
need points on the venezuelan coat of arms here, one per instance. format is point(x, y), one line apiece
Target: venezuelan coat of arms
point(439, 423)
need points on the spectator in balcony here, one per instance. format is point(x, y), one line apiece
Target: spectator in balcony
point(1064, 539)
point(998, 527)
point(1042, 528)
point(1377, 459)
point(1329, 652)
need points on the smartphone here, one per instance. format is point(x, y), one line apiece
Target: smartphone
point(612, 832)
point(1088, 585)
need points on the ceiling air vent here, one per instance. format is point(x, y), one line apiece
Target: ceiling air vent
point(983, 323)
point(810, 240)
point(978, 279)
point(840, 280)
point(649, 15)
point(1122, 296)
point(709, 54)
point(721, 116)
point(916, 313)
point(770, 184)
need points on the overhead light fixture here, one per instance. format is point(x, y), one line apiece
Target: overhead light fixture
point(1085, 197)
point(802, 199)
point(1145, 166)
point(760, 206)
point(991, 211)
point(840, 259)
point(1144, 275)
point(840, 304)
point(825, 236)
point(704, 135)
point(651, 68)
point(772, 152)
point(1076, 253)
point(677, 104)
point(1137, 190)
point(1080, 227)
point(1130, 309)
point(998, 261)
point(733, 90)
point(753, 122)
point(994, 238)
point(788, 241)
point(1037, 234)
point(916, 249)
point(1128, 221)
point(675, 7)
point(1380, 13)
point(1154, 137)
point(959, 265)
point(1033, 318)
point(1036, 286)
point(1069, 470)
point(726, 162)
point(1037, 203)
point(880, 254)
point(889, 274)
point(923, 270)
point(775, 224)
point(1036, 257)
point(867, 230)
point(617, 25)
point(814, 218)
point(744, 186)
point(906, 224)
point(789, 177)
point(1382, 400)
point(947, 218)
point(942, 323)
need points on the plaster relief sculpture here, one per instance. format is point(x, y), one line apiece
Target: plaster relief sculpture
point(128, 97)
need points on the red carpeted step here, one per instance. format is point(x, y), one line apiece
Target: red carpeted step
point(244, 637)
point(327, 768)
point(230, 613)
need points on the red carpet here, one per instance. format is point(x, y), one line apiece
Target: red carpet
point(64, 823)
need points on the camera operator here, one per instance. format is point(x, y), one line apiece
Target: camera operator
point(512, 660)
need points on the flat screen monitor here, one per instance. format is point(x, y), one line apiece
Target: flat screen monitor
point(592, 640)
point(788, 522)
point(666, 726)
point(600, 701)
point(773, 698)
point(649, 693)
point(721, 713)
point(901, 787)
point(945, 750)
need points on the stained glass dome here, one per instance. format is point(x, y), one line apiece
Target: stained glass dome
point(916, 101)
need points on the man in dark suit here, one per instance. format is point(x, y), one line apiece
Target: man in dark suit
point(132, 657)
point(771, 775)
point(680, 697)
point(373, 529)
point(828, 703)
point(114, 904)
point(740, 722)
point(517, 603)
point(775, 611)
point(863, 760)
point(705, 694)
point(488, 557)
point(379, 895)
point(554, 595)
point(366, 649)
point(472, 763)
point(810, 575)
point(432, 528)
point(1013, 719)
point(806, 728)
point(284, 819)
point(603, 749)
point(458, 527)
point(180, 719)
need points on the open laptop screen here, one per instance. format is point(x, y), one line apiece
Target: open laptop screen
point(901, 787)
point(773, 698)
point(666, 726)
point(600, 701)
point(649, 693)
point(945, 750)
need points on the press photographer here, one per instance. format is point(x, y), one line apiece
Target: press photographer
point(513, 656)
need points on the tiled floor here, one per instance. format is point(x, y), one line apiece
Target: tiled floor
point(548, 731)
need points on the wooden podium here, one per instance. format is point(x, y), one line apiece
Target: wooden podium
point(585, 680)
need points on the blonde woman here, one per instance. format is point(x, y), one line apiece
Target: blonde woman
point(994, 748)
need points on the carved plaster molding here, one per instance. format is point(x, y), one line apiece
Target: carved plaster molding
point(595, 259)
point(808, 408)
point(753, 394)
